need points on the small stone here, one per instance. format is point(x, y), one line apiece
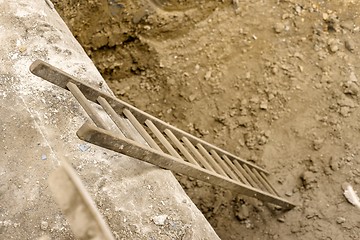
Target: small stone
point(345, 111)
point(84, 147)
point(317, 144)
point(263, 105)
point(289, 194)
point(308, 179)
point(298, 9)
point(22, 48)
point(197, 67)
point(192, 97)
point(207, 75)
point(350, 45)
point(334, 48)
point(242, 212)
point(325, 16)
point(160, 220)
point(279, 27)
point(262, 140)
point(351, 88)
point(281, 220)
point(139, 15)
point(327, 170)
point(333, 163)
point(333, 45)
point(44, 225)
point(275, 70)
point(43, 157)
point(340, 220)
point(353, 77)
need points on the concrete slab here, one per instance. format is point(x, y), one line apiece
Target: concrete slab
point(38, 125)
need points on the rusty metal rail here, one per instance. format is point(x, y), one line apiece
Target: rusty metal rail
point(164, 145)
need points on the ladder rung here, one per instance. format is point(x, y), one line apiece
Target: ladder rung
point(264, 183)
point(182, 149)
point(162, 139)
point(272, 187)
point(223, 165)
point(196, 153)
point(232, 166)
point(212, 161)
point(84, 102)
point(115, 117)
point(252, 175)
point(246, 175)
point(141, 130)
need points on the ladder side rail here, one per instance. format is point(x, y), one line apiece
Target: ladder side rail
point(106, 139)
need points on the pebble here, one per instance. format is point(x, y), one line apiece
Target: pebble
point(263, 105)
point(279, 27)
point(289, 194)
point(351, 88)
point(275, 70)
point(350, 45)
point(44, 225)
point(242, 212)
point(197, 68)
point(207, 75)
point(352, 77)
point(344, 111)
point(334, 47)
point(192, 97)
point(308, 178)
point(281, 220)
point(84, 147)
point(340, 220)
point(317, 144)
point(160, 220)
point(333, 163)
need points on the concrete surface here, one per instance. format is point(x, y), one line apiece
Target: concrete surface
point(38, 125)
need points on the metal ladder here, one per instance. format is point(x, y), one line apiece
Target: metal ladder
point(163, 145)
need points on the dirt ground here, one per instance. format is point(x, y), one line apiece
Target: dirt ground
point(275, 82)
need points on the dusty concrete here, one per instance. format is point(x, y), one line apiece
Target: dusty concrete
point(38, 125)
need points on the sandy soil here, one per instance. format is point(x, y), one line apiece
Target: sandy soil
point(275, 82)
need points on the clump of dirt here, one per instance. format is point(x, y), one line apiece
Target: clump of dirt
point(275, 82)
